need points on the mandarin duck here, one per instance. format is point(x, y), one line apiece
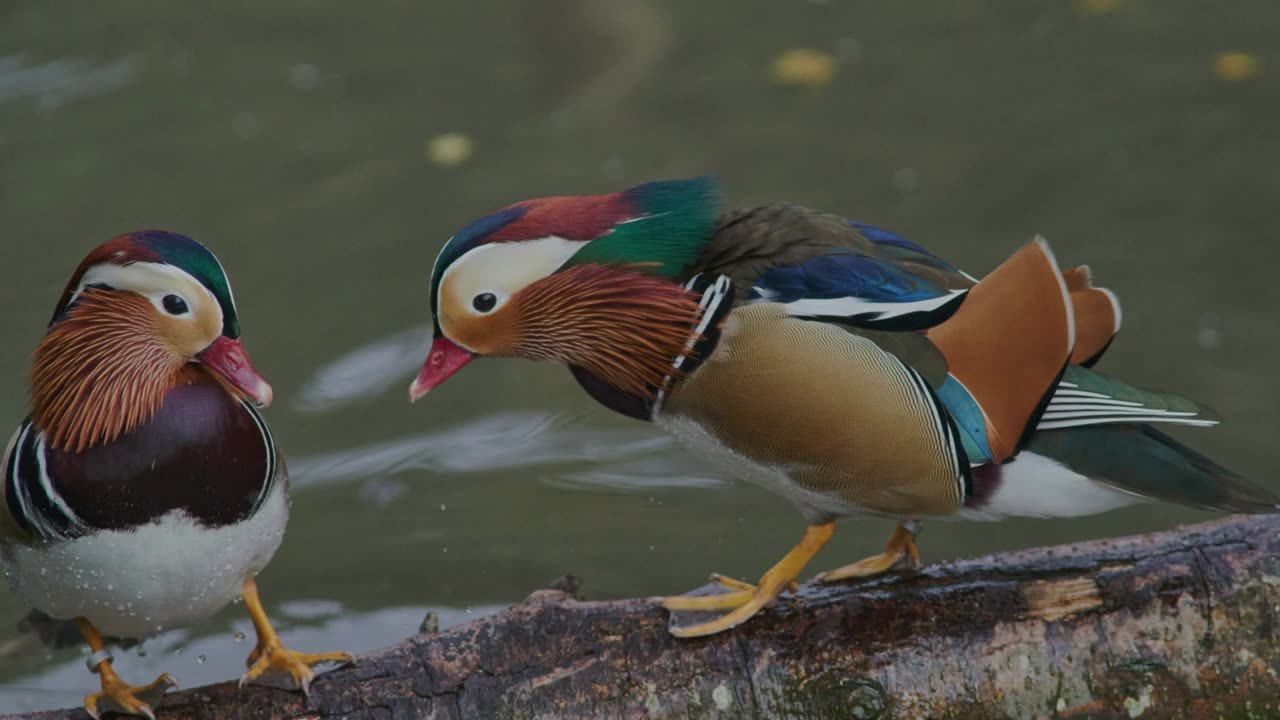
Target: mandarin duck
point(838, 364)
point(145, 492)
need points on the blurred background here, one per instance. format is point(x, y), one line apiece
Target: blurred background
point(326, 151)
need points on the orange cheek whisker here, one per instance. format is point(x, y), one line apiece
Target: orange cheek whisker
point(100, 372)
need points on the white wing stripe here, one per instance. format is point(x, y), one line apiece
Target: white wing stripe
point(1059, 424)
point(853, 306)
point(1079, 393)
point(1116, 412)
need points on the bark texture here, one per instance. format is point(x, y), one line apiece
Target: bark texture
point(1178, 624)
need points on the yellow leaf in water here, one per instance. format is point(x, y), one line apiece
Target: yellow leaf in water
point(450, 149)
point(1235, 65)
point(1097, 7)
point(803, 67)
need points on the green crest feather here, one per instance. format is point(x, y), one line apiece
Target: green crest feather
point(676, 219)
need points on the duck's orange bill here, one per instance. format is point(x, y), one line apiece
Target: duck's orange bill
point(445, 359)
point(228, 360)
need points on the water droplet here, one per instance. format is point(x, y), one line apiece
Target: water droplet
point(239, 636)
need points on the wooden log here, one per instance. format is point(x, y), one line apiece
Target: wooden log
point(1176, 624)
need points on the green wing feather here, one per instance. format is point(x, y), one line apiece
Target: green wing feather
point(1085, 397)
point(1141, 460)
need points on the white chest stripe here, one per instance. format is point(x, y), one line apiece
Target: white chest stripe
point(708, 305)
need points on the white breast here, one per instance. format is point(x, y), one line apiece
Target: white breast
point(136, 583)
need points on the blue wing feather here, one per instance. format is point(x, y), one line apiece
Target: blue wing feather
point(846, 273)
point(879, 279)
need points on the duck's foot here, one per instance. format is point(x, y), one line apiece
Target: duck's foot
point(744, 599)
point(737, 593)
point(120, 697)
point(899, 552)
point(116, 695)
point(278, 666)
point(271, 663)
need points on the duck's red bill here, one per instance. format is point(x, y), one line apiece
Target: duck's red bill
point(228, 360)
point(445, 359)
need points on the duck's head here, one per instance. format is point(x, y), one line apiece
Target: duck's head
point(587, 281)
point(138, 310)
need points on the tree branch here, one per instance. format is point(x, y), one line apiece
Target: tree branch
point(1175, 624)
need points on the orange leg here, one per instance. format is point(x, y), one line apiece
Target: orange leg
point(901, 548)
point(271, 657)
point(745, 600)
point(116, 695)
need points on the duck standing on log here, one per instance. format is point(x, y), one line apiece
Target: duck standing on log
point(144, 492)
point(837, 364)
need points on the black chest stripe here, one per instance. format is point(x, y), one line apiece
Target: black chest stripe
point(32, 500)
point(269, 442)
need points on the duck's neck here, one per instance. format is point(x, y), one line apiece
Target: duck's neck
point(618, 324)
point(100, 372)
point(711, 299)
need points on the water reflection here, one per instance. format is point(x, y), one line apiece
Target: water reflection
point(220, 656)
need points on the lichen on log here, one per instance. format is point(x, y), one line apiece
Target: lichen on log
point(1176, 624)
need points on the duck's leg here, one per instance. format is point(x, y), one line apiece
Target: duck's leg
point(116, 696)
point(271, 657)
point(900, 548)
point(746, 600)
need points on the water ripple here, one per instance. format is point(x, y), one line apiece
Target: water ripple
point(621, 459)
point(365, 372)
point(57, 82)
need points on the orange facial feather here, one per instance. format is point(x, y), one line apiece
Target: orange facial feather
point(101, 371)
point(623, 326)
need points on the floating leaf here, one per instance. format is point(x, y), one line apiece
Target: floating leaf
point(1097, 7)
point(803, 67)
point(1235, 65)
point(450, 149)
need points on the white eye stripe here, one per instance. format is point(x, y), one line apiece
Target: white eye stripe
point(153, 281)
point(503, 269)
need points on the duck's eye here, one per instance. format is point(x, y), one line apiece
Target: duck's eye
point(174, 305)
point(484, 302)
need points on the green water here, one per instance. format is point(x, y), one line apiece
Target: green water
point(290, 138)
